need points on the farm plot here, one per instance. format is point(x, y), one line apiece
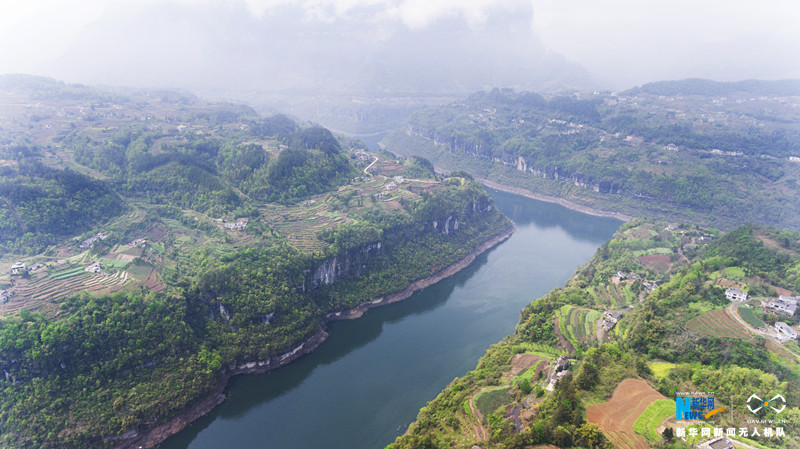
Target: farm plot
point(525, 365)
point(613, 295)
point(577, 324)
point(718, 323)
point(660, 263)
point(648, 422)
point(617, 416)
point(749, 317)
point(490, 400)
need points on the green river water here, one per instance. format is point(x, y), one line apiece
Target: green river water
point(366, 383)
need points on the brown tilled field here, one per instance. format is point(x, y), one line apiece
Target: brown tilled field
point(616, 416)
point(521, 362)
point(658, 262)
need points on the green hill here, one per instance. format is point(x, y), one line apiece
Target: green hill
point(722, 356)
point(710, 159)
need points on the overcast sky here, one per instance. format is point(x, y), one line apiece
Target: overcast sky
point(620, 42)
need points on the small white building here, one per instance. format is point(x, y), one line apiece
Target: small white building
point(239, 225)
point(735, 294)
point(18, 268)
point(94, 268)
point(785, 333)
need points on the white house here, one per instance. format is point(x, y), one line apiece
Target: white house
point(785, 333)
point(18, 268)
point(734, 294)
point(784, 304)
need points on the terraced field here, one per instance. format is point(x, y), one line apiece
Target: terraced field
point(718, 323)
point(614, 296)
point(40, 293)
point(578, 324)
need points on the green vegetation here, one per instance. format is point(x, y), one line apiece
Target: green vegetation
point(213, 252)
point(39, 205)
point(490, 400)
point(660, 370)
point(635, 153)
point(647, 423)
point(747, 315)
point(656, 343)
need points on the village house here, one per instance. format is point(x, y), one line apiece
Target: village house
point(735, 294)
point(88, 243)
point(18, 268)
point(308, 202)
point(610, 320)
point(5, 295)
point(562, 364)
point(238, 225)
point(94, 268)
point(35, 267)
point(785, 333)
point(390, 186)
point(785, 304)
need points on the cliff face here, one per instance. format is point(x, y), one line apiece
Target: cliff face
point(353, 262)
point(458, 144)
point(349, 262)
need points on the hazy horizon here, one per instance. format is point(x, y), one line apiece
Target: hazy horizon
point(386, 48)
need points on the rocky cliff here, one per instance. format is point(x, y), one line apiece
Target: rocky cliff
point(459, 144)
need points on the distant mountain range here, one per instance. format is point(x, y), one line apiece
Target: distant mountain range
point(695, 86)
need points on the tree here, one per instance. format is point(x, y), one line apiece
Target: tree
point(590, 436)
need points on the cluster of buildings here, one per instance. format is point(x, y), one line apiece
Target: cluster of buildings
point(786, 305)
point(139, 241)
point(648, 285)
point(20, 268)
point(238, 225)
point(88, 243)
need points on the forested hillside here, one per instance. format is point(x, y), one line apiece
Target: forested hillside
point(599, 362)
point(154, 245)
point(722, 154)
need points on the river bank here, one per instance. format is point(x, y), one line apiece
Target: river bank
point(154, 436)
point(552, 199)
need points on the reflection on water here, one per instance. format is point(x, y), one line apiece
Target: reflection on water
point(364, 385)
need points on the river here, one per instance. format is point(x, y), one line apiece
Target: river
point(366, 383)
